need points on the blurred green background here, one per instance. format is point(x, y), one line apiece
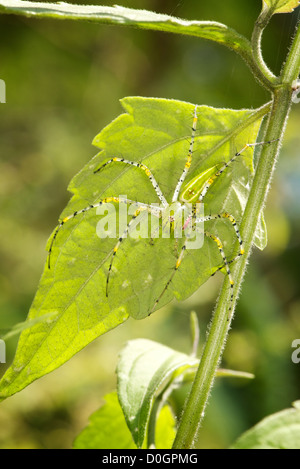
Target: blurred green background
point(63, 82)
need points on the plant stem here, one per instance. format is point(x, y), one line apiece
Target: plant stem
point(258, 29)
point(291, 68)
point(195, 406)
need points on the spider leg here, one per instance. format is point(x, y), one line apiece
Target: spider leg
point(226, 165)
point(226, 264)
point(229, 217)
point(106, 200)
point(154, 210)
point(179, 261)
point(143, 168)
point(189, 158)
point(235, 226)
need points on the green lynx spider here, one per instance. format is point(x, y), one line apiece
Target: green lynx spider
point(192, 192)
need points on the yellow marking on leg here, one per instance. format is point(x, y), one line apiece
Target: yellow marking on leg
point(220, 247)
point(234, 224)
point(140, 166)
point(211, 180)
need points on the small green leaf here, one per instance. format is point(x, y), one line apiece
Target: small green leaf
point(165, 429)
point(144, 371)
point(195, 332)
point(225, 373)
point(189, 374)
point(107, 428)
point(281, 6)
point(278, 431)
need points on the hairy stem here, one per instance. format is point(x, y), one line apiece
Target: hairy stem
point(259, 27)
point(195, 406)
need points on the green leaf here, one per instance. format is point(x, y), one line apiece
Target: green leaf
point(165, 429)
point(278, 431)
point(122, 16)
point(144, 371)
point(225, 373)
point(107, 428)
point(148, 371)
point(195, 332)
point(281, 6)
point(156, 132)
point(189, 374)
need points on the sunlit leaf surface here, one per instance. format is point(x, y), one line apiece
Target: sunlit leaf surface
point(156, 132)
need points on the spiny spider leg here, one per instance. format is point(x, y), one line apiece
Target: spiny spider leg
point(226, 165)
point(157, 211)
point(106, 200)
point(143, 168)
point(179, 261)
point(189, 158)
point(233, 223)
